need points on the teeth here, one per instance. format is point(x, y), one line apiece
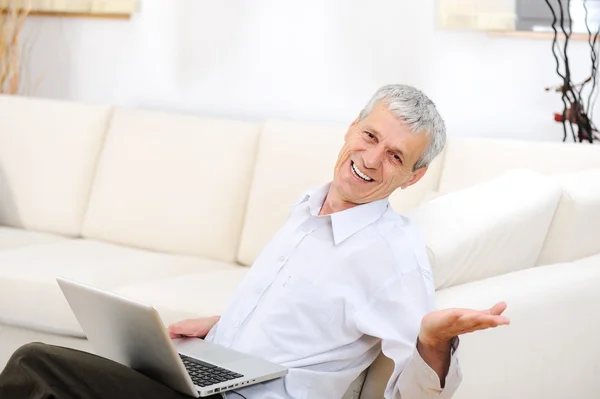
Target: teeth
point(359, 173)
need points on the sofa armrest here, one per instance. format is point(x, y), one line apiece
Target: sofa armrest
point(551, 349)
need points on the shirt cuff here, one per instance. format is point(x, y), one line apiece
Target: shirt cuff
point(428, 378)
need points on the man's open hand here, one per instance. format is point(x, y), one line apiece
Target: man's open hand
point(438, 328)
point(192, 327)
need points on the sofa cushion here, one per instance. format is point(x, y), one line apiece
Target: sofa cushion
point(492, 228)
point(196, 294)
point(173, 183)
point(471, 161)
point(30, 296)
point(573, 233)
point(48, 155)
point(293, 157)
point(15, 238)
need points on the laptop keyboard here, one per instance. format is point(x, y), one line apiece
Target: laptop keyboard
point(205, 374)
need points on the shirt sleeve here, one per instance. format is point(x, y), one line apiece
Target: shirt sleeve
point(394, 315)
point(418, 380)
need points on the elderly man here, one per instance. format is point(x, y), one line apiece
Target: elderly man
point(345, 278)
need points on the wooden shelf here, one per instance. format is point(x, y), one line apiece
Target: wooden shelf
point(537, 35)
point(75, 15)
point(119, 9)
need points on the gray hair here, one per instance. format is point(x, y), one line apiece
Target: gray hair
point(418, 112)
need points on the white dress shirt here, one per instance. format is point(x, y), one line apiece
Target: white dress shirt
point(328, 293)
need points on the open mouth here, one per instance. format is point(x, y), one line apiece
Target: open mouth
point(359, 174)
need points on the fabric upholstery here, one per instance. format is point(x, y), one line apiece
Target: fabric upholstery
point(546, 305)
point(173, 183)
point(15, 238)
point(282, 173)
point(573, 233)
point(48, 150)
point(471, 161)
point(489, 229)
point(195, 295)
point(30, 296)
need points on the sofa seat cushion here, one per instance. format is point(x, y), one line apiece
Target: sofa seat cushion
point(489, 229)
point(190, 295)
point(30, 296)
point(15, 238)
point(573, 233)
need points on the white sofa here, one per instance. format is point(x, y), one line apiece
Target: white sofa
point(172, 209)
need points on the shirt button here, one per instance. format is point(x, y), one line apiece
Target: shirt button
point(258, 290)
point(236, 324)
point(282, 258)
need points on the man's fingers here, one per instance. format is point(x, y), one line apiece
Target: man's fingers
point(498, 309)
point(475, 321)
point(493, 320)
point(171, 333)
point(477, 327)
point(175, 330)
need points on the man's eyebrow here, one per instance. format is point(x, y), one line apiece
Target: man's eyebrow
point(374, 131)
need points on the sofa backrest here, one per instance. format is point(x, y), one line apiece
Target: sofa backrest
point(48, 154)
point(573, 232)
point(173, 183)
point(293, 157)
point(471, 161)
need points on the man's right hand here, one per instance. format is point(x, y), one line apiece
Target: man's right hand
point(192, 327)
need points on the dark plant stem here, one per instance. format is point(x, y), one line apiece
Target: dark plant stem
point(554, 45)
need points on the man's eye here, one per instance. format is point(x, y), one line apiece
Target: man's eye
point(371, 136)
point(397, 158)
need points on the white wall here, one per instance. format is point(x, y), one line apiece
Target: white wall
point(313, 60)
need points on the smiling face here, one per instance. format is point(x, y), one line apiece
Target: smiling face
point(378, 157)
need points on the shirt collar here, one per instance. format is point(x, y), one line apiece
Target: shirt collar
point(347, 222)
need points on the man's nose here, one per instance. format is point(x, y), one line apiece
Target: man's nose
point(372, 158)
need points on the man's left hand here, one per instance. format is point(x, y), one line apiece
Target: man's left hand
point(438, 328)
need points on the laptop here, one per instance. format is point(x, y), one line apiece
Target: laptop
point(132, 333)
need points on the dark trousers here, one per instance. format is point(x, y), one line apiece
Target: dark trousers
point(39, 371)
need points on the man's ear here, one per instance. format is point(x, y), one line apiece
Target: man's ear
point(416, 176)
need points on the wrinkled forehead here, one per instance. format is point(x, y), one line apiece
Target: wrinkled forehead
point(393, 131)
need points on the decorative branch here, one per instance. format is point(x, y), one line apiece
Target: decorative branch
point(554, 45)
point(575, 112)
point(11, 25)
